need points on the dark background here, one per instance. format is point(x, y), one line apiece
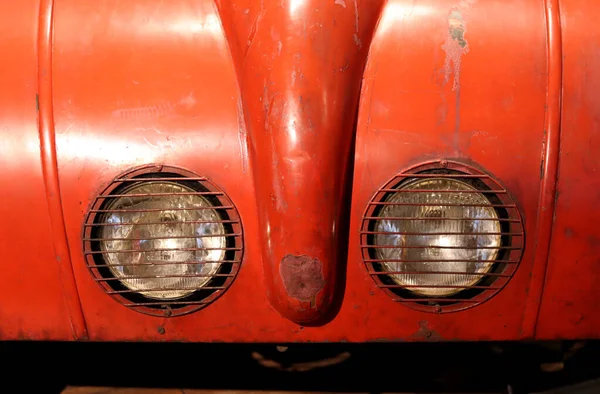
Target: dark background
point(372, 368)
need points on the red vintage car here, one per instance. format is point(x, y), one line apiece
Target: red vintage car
point(285, 171)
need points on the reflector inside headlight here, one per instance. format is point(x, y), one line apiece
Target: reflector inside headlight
point(446, 235)
point(162, 246)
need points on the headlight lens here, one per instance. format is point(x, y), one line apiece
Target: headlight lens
point(458, 248)
point(163, 247)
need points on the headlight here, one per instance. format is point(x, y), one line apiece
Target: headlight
point(450, 240)
point(157, 239)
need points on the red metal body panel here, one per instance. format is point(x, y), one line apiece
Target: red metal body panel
point(174, 99)
point(432, 98)
point(35, 270)
point(569, 304)
point(261, 97)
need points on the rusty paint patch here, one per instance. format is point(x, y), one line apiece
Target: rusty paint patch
point(302, 277)
point(455, 46)
point(426, 333)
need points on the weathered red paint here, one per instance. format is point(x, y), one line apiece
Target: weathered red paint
point(261, 97)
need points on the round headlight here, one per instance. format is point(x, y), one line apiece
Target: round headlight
point(449, 242)
point(162, 240)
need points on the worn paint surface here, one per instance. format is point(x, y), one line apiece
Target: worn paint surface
point(261, 97)
point(302, 277)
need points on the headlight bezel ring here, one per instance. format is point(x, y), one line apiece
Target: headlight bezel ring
point(200, 187)
point(503, 266)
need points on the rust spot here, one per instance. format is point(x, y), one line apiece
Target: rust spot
point(302, 277)
point(426, 333)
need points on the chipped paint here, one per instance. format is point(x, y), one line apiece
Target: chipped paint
point(340, 2)
point(456, 44)
point(455, 47)
point(302, 277)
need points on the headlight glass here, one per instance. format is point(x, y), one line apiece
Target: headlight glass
point(450, 236)
point(163, 247)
